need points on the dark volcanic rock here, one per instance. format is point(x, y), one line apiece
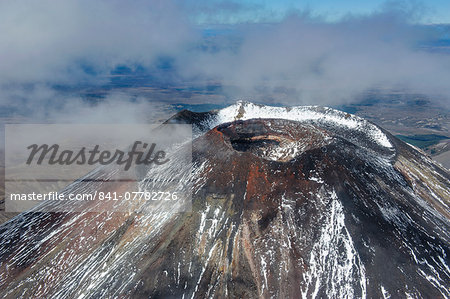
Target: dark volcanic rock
point(308, 202)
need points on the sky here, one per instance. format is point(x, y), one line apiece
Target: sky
point(296, 53)
point(432, 11)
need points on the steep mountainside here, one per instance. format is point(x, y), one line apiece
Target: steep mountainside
point(287, 202)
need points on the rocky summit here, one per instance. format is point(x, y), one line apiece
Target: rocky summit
point(298, 202)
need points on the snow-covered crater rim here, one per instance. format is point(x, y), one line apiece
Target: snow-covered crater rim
point(242, 110)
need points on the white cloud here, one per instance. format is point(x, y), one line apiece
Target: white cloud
point(300, 60)
point(48, 41)
point(303, 60)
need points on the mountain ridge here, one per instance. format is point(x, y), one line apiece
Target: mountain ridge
point(324, 204)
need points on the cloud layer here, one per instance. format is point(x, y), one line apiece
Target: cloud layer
point(299, 60)
point(302, 60)
point(52, 41)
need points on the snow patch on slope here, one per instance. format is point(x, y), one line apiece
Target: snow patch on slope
point(334, 264)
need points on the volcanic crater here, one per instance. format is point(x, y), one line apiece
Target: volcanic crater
point(273, 139)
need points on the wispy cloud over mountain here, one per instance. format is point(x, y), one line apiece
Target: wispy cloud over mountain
point(309, 61)
point(48, 41)
point(301, 59)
